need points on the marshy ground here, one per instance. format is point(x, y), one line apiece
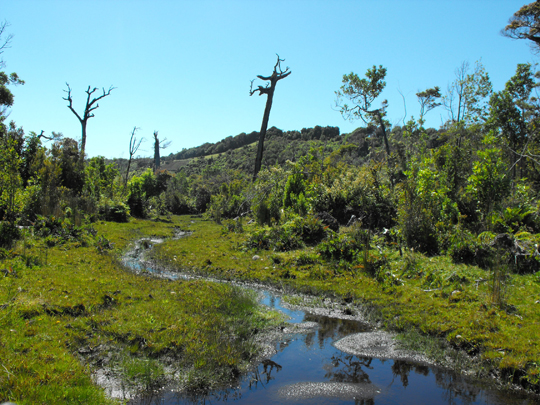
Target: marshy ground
point(69, 308)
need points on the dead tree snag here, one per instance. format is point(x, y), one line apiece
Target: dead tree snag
point(276, 76)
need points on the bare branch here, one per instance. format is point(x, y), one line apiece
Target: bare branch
point(6, 43)
point(134, 145)
point(89, 107)
point(164, 145)
point(404, 105)
point(70, 105)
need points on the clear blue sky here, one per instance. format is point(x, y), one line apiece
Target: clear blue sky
point(184, 67)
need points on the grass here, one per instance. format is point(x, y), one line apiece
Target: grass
point(69, 309)
point(430, 296)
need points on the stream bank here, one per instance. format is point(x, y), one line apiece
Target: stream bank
point(329, 355)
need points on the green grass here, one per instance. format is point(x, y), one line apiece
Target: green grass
point(68, 309)
point(431, 296)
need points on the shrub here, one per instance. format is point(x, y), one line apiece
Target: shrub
point(340, 247)
point(137, 200)
point(8, 234)
point(177, 203)
point(57, 230)
point(113, 210)
point(231, 225)
point(466, 248)
point(293, 234)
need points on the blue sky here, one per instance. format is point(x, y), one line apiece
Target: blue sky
point(183, 68)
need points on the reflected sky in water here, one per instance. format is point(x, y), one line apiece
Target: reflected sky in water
point(308, 356)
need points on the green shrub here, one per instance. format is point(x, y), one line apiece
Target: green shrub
point(466, 248)
point(231, 225)
point(8, 234)
point(137, 200)
point(293, 234)
point(178, 203)
point(340, 247)
point(113, 210)
point(57, 230)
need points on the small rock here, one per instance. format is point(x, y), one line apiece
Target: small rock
point(256, 257)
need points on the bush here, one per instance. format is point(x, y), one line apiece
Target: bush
point(137, 200)
point(340, 247)
point(113, 210)
point(224, 206)
point(178, 204)
point(8, 234)
point(466, 248)
point(231, 225)
point(57, 230)
point(293, 234)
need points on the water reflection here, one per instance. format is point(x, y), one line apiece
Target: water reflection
point(331, 328)
point(348, 368)
point(264, 376)
point(306, 358)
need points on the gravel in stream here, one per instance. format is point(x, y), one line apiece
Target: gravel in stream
point(378, 344)
point(344, 391)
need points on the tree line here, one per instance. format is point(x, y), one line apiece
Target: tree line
point(434, 190)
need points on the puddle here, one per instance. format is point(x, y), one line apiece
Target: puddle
point(334, 359)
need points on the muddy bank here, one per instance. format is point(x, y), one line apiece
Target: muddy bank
point(328, 351)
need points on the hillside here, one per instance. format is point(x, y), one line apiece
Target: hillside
point(238, 153)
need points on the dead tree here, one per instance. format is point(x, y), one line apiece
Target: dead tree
point(276, 76)
point(157, 146)
point(134, 145)
point(91, 105)
point(5, 41)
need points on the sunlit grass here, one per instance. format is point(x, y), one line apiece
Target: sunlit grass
point(75, 309)
point(430, 295)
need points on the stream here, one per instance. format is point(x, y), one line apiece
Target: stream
point(329, 356)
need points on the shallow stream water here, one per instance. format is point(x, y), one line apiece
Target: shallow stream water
point(306, 367)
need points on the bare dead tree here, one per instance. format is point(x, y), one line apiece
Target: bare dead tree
point(91, 105)
point(276, 76)
point(5, 43)
point(134, 145)
point(163, 144)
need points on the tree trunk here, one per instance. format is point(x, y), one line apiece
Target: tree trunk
point(83, 141)
point(276, 76)
point(266, 117)
point(156, 155)
point(381, 123)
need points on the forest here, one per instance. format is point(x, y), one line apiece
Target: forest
point(379, 203)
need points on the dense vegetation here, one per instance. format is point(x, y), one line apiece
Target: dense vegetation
point(447, 217)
